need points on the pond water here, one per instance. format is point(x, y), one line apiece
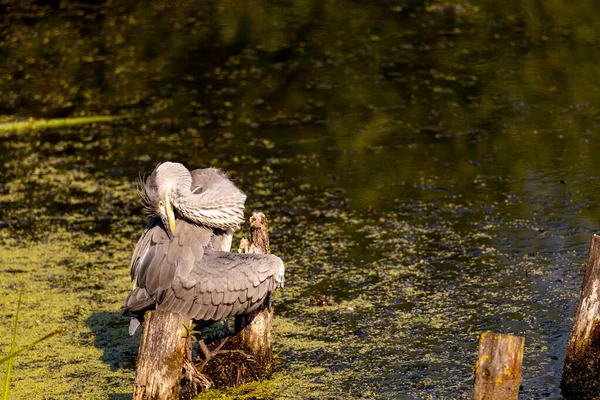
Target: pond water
point(429, 171)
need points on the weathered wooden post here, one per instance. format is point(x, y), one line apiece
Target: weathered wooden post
point(581, 373)
point(498, 368)
point(254, 329)
point(160, 359)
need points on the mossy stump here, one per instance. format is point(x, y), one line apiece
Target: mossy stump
point(236, 368)
point(161, 354)
point(498, 368)
point(254, 330)
point(251, 355)
point(581, 373)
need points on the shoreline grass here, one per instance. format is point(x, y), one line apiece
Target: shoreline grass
point(13, 353)
point(13, 344)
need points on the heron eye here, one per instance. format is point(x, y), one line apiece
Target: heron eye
point(161, 204)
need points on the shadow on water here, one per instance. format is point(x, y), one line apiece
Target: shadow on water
point(119, 396)
point(111, 336)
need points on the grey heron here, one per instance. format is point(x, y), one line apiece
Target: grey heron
point(182, 261)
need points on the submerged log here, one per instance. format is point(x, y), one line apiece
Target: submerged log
point(254, 330)
point(581, 373)
point(498, 368)
point(161, 355)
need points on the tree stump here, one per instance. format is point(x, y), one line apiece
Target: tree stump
point(498, 368)
point(160, 359)
point(581, 373)
point(252, 337)
point(254, 330)
point(258, 239)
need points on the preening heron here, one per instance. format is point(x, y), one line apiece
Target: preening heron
point(182, 261)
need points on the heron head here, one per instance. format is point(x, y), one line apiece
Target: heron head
point(160, 190)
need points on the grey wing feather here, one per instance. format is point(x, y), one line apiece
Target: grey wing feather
point(157, 260)
point(217, 201)
point(222, 287)
point(221, 240)
point(133, 325)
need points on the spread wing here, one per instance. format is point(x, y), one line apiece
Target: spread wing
point(223, 284)
point(184, 275)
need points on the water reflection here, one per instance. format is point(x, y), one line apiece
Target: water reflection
point(430, 168)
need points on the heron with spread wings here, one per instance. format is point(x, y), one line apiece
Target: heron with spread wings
point(182, 261)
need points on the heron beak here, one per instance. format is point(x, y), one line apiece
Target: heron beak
point(168, 217)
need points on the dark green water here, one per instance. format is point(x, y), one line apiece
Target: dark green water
point(430, 169)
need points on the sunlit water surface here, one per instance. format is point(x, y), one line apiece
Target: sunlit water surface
point(425, 181)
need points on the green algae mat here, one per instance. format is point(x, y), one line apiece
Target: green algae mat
point(429, 171)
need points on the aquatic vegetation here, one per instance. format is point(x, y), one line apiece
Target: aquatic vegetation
point(16, 126)
point(256, 390)
point(13, 352)
point(429, 171)
point(405, 287)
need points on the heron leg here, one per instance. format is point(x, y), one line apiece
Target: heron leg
point(226, 330)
